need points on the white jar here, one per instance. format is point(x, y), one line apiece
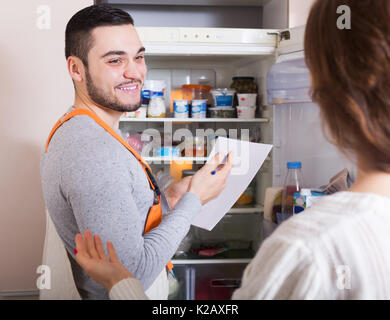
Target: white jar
point(156, 108)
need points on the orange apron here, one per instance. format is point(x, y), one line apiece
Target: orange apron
point(155, 212)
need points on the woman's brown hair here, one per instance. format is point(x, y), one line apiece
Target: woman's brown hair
point(350, 70)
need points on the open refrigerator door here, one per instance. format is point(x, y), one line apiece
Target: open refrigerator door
point(298, 132)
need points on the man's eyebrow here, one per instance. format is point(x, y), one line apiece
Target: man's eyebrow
point(114, 53)
point(142, 49)
point(120, 53)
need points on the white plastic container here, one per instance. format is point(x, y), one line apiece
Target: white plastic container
point(154, 85)
point(128, 115)
point(223, 97)
point(141, 112)
point(152, 88)
point(181, 108)
point(156, 108)
point(198, 108)
point(246, 112)
point(246, 99)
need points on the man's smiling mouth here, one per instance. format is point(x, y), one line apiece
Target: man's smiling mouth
point(128, 88)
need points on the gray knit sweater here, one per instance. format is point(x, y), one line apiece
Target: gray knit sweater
point(90, 181)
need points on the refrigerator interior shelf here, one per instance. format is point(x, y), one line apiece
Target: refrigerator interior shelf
point(170, 159)
point(209, 261)
point(178, 159)
point(245, 210)
point(190, 120)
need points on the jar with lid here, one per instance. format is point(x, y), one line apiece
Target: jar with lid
point(243, 85)
point(156, 107)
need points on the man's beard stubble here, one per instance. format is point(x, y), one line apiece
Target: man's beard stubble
point(107, 101)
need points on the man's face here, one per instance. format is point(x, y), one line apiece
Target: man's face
point(116, 68)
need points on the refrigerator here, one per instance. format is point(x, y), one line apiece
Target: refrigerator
point(209, 264)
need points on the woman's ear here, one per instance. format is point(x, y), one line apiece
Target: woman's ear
point(76, 69)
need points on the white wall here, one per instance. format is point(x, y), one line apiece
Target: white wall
point(298, 12)
point(35, 90)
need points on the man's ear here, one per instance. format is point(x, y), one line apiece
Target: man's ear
point(76, 69)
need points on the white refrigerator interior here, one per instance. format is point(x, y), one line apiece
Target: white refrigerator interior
point(298, 133)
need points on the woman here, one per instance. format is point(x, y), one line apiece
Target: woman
point(339, 248)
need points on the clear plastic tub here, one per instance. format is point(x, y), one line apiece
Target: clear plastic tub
point(196, 92)
point(288, 82)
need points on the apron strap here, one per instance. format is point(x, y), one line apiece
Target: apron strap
point(105, 126)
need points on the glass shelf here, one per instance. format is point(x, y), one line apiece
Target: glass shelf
point(201, 120)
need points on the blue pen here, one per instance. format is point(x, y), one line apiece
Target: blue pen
point(219, 166)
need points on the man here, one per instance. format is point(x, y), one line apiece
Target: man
point(92, 179)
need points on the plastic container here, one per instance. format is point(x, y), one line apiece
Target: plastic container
point(128, 115)
point(141, 112)
point(246, 112)
point(288, 82)
point(156, 107)
point(181, 108)
point(198, 108)
point(150, 88)
point(154, 86)
point(196, 91)
point(292, 184)
point(305, 199)
point(223, 97)
point(222, 112)
point(246, 99)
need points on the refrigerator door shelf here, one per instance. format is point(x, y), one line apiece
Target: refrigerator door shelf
point(288, 82)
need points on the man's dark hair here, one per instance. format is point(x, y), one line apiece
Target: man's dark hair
point(78, 38)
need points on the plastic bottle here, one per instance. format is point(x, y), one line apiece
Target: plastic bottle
point(292, 184)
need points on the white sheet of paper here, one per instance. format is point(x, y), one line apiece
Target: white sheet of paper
point(248, 158)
